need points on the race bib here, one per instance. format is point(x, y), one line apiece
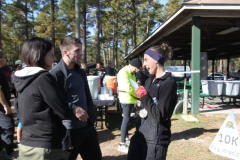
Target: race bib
point(143, 113)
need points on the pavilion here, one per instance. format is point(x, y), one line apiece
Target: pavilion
point(199, 31)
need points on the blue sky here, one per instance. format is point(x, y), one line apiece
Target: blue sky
point(163, 1)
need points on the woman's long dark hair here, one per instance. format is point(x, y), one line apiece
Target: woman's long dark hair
point(34, 51)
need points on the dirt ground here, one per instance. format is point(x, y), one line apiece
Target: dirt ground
point(190, 140)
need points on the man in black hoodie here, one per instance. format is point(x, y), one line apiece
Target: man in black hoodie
point(6, 116)
point(72, 81)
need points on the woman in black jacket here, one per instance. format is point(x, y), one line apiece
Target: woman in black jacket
point(158, 98)
point(41, 105)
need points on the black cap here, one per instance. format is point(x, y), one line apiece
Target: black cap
point(136, 62)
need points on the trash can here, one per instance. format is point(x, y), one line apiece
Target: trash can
point(232, 88)
point(204, 86)
point(94, 85)
point(212, 87)
point(215, 87)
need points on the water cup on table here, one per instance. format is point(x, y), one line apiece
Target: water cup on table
point(101, 97)
point(110, 91)
point(106, 96)
point(104, 90)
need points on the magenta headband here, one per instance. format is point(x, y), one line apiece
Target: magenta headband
point(154, 55)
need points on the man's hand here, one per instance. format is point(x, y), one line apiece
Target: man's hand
point(138, 82)
point(139, 103)
point(80, 113)
point(4, 103)
point(7, 110)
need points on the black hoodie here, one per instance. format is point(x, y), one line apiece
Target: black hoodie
point(41, 108)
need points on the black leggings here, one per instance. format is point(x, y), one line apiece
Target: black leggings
point(141, 150)
point(126, 109)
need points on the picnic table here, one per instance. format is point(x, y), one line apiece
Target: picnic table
point(102, 109)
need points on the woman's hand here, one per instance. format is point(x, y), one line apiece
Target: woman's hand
point(140, 92)
point(7, 110)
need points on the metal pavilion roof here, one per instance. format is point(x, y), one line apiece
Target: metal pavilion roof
point(219, 24)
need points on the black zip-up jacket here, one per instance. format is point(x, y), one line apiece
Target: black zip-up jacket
point(156, 126)
point(59, 72)
point(41, 108)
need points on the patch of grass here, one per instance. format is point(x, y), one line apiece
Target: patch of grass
point(191, 140)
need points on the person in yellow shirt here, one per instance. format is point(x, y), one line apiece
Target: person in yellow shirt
point(127, 97)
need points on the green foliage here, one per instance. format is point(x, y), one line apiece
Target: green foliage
point(171, 7)
point(22, 19)
point(67, 14)
point(120, 18)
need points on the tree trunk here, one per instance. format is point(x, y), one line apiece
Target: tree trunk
point(26, 20)
point(109, 53)
point(53, 22)
point(98, 31)
point(77, 15)
point(126, 47)
point(33, 27)
point(84, 46)
point(134, 24)
point(0, 24)
point(103, 53)
point(103, 48)
point(114, 40)
point(114, 61)
point(147, 28)
point(115, 54)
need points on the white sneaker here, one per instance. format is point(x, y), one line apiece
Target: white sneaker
point(122, 147)
point(127, 142)
point(131, 115)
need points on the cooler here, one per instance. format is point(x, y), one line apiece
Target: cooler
point(111, 82)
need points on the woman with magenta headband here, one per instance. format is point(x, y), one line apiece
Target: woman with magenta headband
point(158, 98)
